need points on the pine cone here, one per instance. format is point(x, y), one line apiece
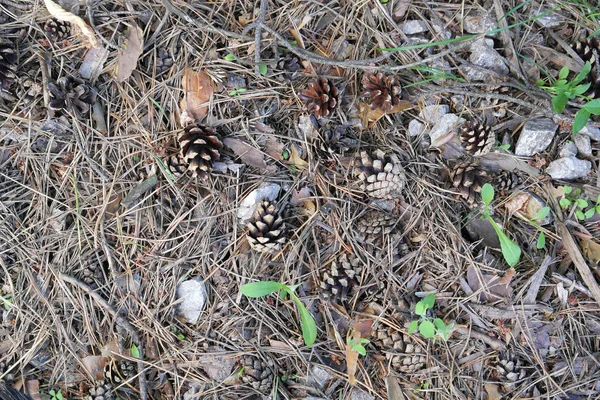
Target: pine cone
point(100, 391)
point(57, 30)
point(320, 97)
point(589, 50)
point(477, 138)
point(29, 89)
point(176, 165)
point(593, 228)
point(71, 94)
point(341, 279)
point(509, 370)
point(333, 139)
point(93, 269)
point(200, 147)
point(290, 65)
point(119, 371)
point(505, 181)
point(381, 91)
point(374, 224)
point(265, 232)
point(381, 176)
point(468, 177)
point(257, 374)
point(8, 58)
point(400, 349)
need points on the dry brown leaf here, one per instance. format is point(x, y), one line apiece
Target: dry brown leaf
point(248, 154)
point(32, 388)
point(302, 198)
point(296, 160)
point(274, 148)
point(493, 391)
point(63, 15)
point(591, 250)
point(130, 53)
point(490, 287)
point(94, 365)
point(197, 91)
point(93, 63)
point(359, 329)
point(517, 203)
point(369, 117)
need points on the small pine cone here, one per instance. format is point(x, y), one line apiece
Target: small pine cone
point(8, 59)
point(265, 232)
point(93, 269)
point(57, 30)
point(320, 97)
point(477, 138)
point(176, 165)
point(593, 228)
point(389, 338)
point(29, 89)
point(380, 176)
point(468, 178)
point(290, 65)
point(381, 91)
point(342, 278)
point(409, 363)
point(257, 374)
point(509, 370)
point(164, 60)
point(101, 390)
point(119, 371)
point(200, 147)
point(73, 94)
point(374, 224)
point(505, 181)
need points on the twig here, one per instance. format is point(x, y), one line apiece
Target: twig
point(572, 284)
point(536, 281)
point(493, 343)
point(502, 313)
point(258, 33)
point(89, 159)
point(107, 252)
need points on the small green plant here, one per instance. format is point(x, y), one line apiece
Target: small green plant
point(535, 221)
point(428, 328)
point(583, 115)
point(178, 333)
point(6, 301)
point(56, 395)
point(357, 346)
point(265, 288)
point(563, 90)
point(423, 386)
point(502, 146)
point(510, 250)
point(572, 197)
point(237, 92)
point(135, 352)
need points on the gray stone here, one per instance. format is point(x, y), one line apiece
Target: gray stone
point(536, 136)
point(479, 23)
point(432, 114)
point(568, 150)
point(446, 124)
point(318, 377)
point(484, 55)
point(549, 20)
point(569, 168)
point(415, 128)
point(193, 296)
point(268, 191)
point(440, 29)
point(217, 367)
point(592, 132)
point(358, 394)
point(475, 74)
point(583, 144)
point(412, 26)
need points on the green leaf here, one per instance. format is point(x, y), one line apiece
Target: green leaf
point(564, 202)
point(427, 329)
point(309, 326)
point(542, 213)
point(598, 209)
point(581, 203)
point(135, 352)
point(260, 289)
point(590, 213)
point(567, 189)
point(581, 118)
point(360, 349)
point(429, 301)
point(579, 215)
point(59, 395)
point(364, 340)
point(420, 308)
point(559, 102)
point(439, 323)
point(412, 328)
point(52, 393)
point(563, 73)
point(237, 92)
point(263, 69)
point(505, 146)
point(582, 74)
point(540, 83)
point(510, 250)
point(593, 107)
point(230, 57)
point(541, 242)
point(487, 194)
point(581, 89)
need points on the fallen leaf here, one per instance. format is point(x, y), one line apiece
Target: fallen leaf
point(516, 203)
point(274, 148)
point(218, 365)
point(63, 15)
point(562, 293)
point(490, 287)
point(247, 153)
point(591, 250)
point(93, 63)
point(129, 53)
point(394, 392)
point(94, 365)
point(197, 91)
point(300, 196)
point(493, 391)
point(370, 116)
point(296, 160)
point(359, 329)
point(32, 388)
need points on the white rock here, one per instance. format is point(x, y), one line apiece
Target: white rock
point(536, 136)
point(583, 144)
point(268, 191)
point(415, 128)
point(569, 168)
point(568, 150)
point(318, 377)
point(484, 55)
point(446, 124)
point(474, 74)
point(549, 20)
point(432, 114)
point(193, 295)
point(479, 23)
point(592, 132)
point(412, 26)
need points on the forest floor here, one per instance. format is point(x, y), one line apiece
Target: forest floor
point(121, 273)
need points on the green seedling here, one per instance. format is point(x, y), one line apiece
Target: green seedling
point(535, 221)
point(237, 92)
point(230, 57)
point(265, 288)
point(135, 352)
point(178, 333)
point(6, 301)
point(583, 115)
point(502, 146)
point(425, 325)
point(56, 395)
point(572, 197)
point(359, 346)
point(263, 69)
point(510, 250)
point(423, 386)
point(562, 90)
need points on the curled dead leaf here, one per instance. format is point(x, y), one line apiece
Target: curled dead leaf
point(247, 153)
point(591, 250)
point(369, 116)
point(63, 15)
point(296, 160)
point(129, 53)
point(198, 89)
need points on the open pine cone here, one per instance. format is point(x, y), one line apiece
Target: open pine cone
point(381, 91)
point(8, 58)
point(509, 370)
point(256, 373)
point(380, 176)
point(290, 65)
point(400, 349)
point(320, 97)
point(477, 138)
point(505, 181)
point(265, 232)
point(57, 30)
point(342, 278)
point(200, 146)
point(72, 94)
point(468, 178)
